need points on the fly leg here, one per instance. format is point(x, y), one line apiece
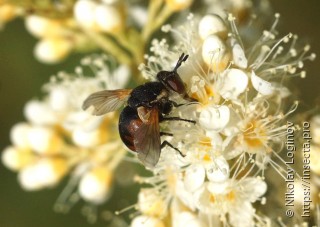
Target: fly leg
point(165, 134)
point(176, 119)
point(166, 143)
point(175, 104)
point(191, 100)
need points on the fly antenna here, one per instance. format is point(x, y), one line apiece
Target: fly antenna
point(182, 58)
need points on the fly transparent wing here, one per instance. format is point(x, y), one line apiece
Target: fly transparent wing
point(106, 101)
point(147, 139)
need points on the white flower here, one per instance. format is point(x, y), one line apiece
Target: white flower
point(214, 117)
point(233, 198)
point(232, 83)
point(195, 175)
point(95, 185)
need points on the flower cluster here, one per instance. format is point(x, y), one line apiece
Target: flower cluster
point(86, 25)
point(59, 138)
point(241, 123)
point(121, 28)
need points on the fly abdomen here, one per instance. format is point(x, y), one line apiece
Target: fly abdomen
point(129, 123)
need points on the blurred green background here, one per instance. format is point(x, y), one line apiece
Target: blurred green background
point(21, 78)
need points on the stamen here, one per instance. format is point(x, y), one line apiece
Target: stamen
point(134, 206)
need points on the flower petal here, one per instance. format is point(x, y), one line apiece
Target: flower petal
point(210, 25)
point(239, 58)
point(254, 188)
point(187, 219)
point(232, 83)
point(214, 118)
point(262, 86)
point(218, 170)
point(194, 177)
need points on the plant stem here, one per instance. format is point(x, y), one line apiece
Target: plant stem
point(165, 13)
point(135, 46)
point(109, 46)
point(153, 9)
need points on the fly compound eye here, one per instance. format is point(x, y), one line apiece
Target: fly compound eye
point(172, 81)
point(175, 83)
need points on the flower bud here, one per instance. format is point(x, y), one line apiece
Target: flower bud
point(16, 158)
point(45, 173)
point(59, 99)
point(214, 53)
point(212, 25)
point(19, 135)
point(43, 27)
point(7, 13)
point(28, 178)
point(89, 138)
point(178, 5)
point(84, 12)
point(51, 170)
point(232, 83)
point(44, 140)
point(108, 18)
point(96, 184)
point(52, 50)
point(39, 113)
